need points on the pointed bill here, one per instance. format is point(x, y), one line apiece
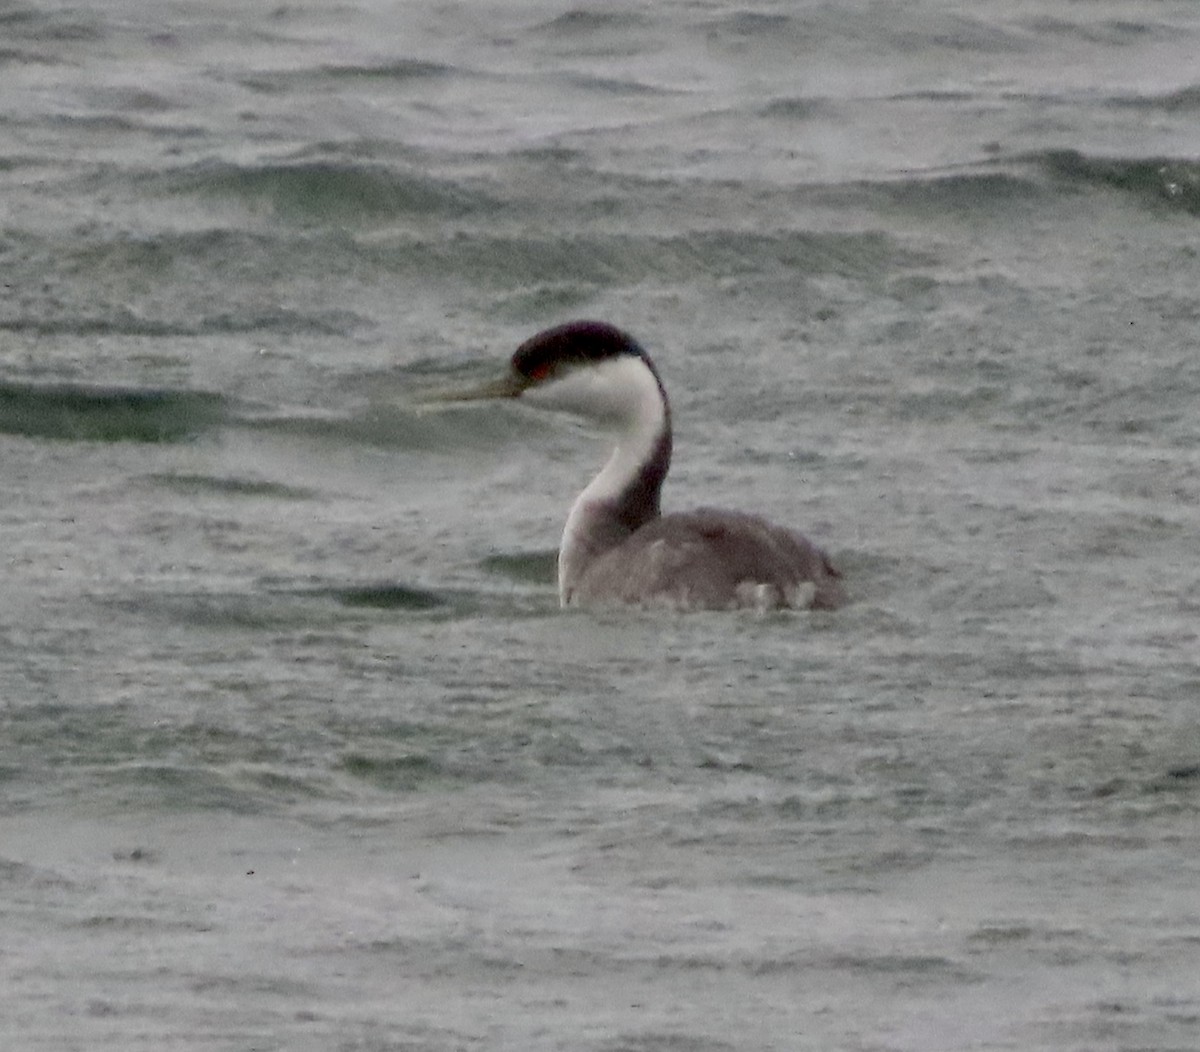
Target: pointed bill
point(508, 386)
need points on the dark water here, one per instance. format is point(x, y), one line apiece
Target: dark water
point(297, 750)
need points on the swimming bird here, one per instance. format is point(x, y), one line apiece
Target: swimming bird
point(618, 547)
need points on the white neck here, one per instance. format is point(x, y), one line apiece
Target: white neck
point(624, 394)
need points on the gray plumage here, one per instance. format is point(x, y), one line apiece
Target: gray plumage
point(710, 559)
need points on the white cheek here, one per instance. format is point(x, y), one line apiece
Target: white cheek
point(615, 391)
point(576, 392)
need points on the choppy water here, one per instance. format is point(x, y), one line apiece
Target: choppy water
point(296, 749)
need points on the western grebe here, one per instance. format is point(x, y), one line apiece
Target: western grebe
point(617, 547)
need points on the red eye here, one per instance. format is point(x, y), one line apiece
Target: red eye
point(539, 372)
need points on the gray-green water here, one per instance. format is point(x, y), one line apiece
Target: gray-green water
point(296, 749)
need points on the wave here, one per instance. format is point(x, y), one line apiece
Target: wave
point(113, 413)
point(70, 25)
point(398, 71)
point(537, 568)
point(973, 190)
point(333, 190)
point(620, 259)
point(1117, 32)
point(1164, 182)
point(890, 30)
point(1182, 101)
point(584, 22)
point(107, 414)
point(796, 107)
point(390, 426)
point(229, 486)
point(125, 323)
point(1160, 181)
point(386, 595)
point(402, 69)
point(614, 85)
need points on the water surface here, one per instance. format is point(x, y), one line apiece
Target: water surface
point(297, 750)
